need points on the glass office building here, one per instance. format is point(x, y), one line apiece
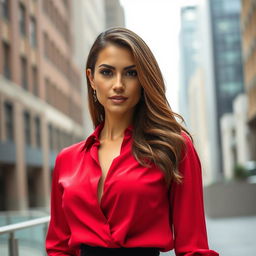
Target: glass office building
point(228, 67)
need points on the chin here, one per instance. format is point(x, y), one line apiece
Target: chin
point(119, 110)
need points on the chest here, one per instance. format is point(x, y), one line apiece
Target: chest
point(107, 152)
point(122, 179)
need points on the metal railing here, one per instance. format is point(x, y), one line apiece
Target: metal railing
point(11, 229)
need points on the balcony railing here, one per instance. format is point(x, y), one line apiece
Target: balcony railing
point(10, 230)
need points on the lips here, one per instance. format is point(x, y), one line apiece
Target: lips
point(118, 98)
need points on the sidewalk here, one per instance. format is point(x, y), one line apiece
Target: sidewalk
point(231, 236)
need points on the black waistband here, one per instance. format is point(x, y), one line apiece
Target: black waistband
point(87, 250)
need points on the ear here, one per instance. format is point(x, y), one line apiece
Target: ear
point(90, 77)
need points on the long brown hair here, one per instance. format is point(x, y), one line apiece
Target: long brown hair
point(157, 135)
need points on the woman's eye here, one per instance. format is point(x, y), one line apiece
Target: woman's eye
point(131, 73)
point(106, 72)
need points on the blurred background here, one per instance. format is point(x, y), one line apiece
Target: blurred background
point(206, 50)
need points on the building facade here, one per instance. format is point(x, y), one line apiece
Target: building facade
point(40, 98)
point(227, 58)
point(189, 55)
point(198, 123)
point(114, 14)
point(248, 24)
point(197, 87)
point(88, 23)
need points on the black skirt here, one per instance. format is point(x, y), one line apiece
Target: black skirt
point(87, 250)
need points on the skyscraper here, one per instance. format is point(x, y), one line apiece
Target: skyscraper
point(189, 49)
point(226, 36)
point(227, 56)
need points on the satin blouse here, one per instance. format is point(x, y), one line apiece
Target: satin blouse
point(137, 209)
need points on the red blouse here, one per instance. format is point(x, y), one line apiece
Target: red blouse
point(136, 209)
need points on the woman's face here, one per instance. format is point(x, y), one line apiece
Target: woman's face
point(115, 80)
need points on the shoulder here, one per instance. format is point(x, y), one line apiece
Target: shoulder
point(72, 151)
point(188, 143)
point(186, 137)
point(189, 153)
point(68, 158)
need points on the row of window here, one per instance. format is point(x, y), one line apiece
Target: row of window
point(53, 54)
point(58, 138)
point(62, 102)
point(223, 7)
point(24, 71)
point(23, 28)
point(53, 96)
point(27, 124)
point(5, 9)
point(60, 23)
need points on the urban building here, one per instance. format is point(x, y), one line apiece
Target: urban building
point(248, 24)
point(189, 55)
point(40, 98)
point(222, 74)
point(196, 101)
point(199, 124)
point(86, 27)
point(227, 58)
point(114, 14)
point(234, 133)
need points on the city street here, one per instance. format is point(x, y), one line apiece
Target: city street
point(231, 236)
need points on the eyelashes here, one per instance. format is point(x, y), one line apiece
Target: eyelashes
point(109, 73)
point(131, 73)
point(106, 72)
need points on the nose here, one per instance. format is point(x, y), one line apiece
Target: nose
point(118, 83)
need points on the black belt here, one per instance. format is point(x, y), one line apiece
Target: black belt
point(87, 250)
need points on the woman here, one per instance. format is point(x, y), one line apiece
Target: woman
point(134, 187)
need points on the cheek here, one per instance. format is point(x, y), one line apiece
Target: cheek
point(137, 92)
point(102, 86)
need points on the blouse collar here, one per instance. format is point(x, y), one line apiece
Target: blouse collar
point(94, 137)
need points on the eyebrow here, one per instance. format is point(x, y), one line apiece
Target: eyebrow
point(111, 67)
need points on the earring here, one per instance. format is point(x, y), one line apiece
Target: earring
point(94, 95)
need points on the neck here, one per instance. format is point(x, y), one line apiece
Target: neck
point(114, 126)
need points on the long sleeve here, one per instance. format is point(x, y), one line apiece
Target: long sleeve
point(58, 231)
point(187, 207)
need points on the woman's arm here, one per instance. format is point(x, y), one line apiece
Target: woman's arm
point(187, 207)
point(58, 231)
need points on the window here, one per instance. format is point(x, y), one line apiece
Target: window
point(5, 9)
point(38, 131)
point(230, 88)
point(32, 32)
point(35, 81)
point(46, 45)
point(57, 139)
point(6, 61)
point(24, 73)
point(27, 130)
point(47, 88)
point(9, 122)
point(232, 6)
point(22, 20)
point(50, 133)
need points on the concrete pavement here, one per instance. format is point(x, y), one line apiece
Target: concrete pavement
point(234, 236)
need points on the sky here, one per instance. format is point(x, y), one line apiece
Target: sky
point(158, 23)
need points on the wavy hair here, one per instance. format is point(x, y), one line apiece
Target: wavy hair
point(157, 134)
